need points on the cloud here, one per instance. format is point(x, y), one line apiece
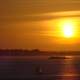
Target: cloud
point(40, 17)
point(26, 7)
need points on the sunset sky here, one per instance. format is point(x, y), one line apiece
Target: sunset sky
point(30, 24)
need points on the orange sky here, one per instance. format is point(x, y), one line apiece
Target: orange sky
point(32, 24)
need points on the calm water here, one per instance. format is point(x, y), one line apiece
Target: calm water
point(40, 67)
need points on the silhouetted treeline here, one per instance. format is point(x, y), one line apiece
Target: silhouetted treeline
point(18, 52)
point(21, 52)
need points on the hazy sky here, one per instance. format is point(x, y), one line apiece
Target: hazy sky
point(31, 24)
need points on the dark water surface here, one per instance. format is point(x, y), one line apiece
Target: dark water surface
point(40, 68)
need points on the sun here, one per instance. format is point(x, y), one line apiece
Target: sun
point(68, 30)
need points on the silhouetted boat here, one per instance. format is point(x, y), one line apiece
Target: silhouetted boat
point(57, 57)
